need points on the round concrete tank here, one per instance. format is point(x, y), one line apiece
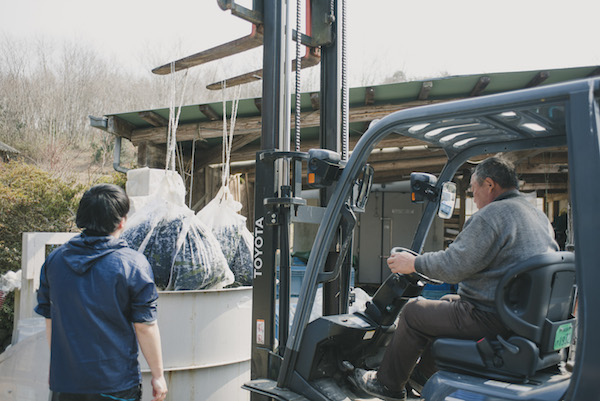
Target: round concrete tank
point(206, 342)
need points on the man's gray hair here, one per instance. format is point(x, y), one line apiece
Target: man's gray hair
point(500, 170)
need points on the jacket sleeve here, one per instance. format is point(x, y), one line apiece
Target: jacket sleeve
point(472, 251)
point(143, 293)
point(43, 295)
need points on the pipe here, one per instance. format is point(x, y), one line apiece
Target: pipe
point(102, 123)
point(117, 156)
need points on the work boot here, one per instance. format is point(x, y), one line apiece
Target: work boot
point(367, 381)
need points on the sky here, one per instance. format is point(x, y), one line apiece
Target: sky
point(423, 38)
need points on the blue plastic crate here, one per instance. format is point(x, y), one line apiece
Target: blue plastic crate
point(432, 291)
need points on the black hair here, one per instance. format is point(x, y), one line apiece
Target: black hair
point(101, 209)
point(500, 170)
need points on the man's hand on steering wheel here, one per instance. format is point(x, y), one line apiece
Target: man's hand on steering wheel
point(402, 261)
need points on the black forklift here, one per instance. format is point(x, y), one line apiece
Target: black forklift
point(314, 360)
point(536, 298)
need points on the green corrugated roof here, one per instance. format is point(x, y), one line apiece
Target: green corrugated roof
point(397, 93)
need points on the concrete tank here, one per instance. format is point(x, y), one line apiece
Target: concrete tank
point(206, 344)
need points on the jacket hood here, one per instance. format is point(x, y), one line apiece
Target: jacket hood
point(83, 251)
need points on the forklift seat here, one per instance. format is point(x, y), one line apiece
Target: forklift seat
point(535, 301)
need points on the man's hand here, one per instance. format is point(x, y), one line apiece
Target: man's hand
point(159, 388)
point(148, 336)
point(402, 262)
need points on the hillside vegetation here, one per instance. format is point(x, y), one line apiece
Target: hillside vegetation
point(48, 91)
point(31, 200)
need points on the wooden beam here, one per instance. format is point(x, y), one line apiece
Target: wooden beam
point(258, 104)
point(384, 172)
point(153, 118)
point(543, 169)
point(214, 157)
point(545, 179)
point(209, 112)
point(519, 156)
point(117, 126)
point(254, 39)
point(245, 78)
point(480, 86)
point(369, 96)
point(153, 156)
point(188, 132)
point(425, 89)
point(389, 175)
point(595, 72)
point(542, 186)
point(401, 154)
point(310, 59)
point(538, 79)
point(411, 164)
point(314, 101)
point(142, 154)
point(248, 125)
point(393, 166)
point(249, 152)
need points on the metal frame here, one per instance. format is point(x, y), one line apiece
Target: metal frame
point(274, 202)
point(265, 233)
point(329, 138)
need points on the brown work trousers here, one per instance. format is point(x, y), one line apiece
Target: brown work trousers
point(422, 321)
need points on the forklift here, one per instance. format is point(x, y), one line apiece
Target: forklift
point(314, 360)
point(536, 298)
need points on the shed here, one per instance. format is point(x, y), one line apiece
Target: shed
point(7, 152)
point(200, 128)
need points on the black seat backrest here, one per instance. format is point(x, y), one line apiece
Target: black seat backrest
point(535, 299)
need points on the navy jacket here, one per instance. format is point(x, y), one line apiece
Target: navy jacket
point(94, 289)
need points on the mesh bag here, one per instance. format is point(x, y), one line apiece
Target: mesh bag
point(183, 252)
point(229, 227)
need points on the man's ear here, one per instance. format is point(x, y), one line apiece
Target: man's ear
point(122, 223)
point(489, 184)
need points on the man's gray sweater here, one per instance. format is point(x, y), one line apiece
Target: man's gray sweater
point(506, 231)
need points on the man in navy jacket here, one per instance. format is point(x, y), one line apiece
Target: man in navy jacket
point(99, 300)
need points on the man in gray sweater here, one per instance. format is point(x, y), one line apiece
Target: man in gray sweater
point(506, 229)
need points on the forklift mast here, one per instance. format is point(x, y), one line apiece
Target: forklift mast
point(277, 200)
point(278, 178)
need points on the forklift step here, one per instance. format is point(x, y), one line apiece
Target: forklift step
point(269, 388)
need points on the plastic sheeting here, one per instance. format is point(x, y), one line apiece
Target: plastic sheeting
point(8, 282)
point(183, 252)
point(229, 227)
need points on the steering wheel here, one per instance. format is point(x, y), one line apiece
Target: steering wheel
point(416, 276)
